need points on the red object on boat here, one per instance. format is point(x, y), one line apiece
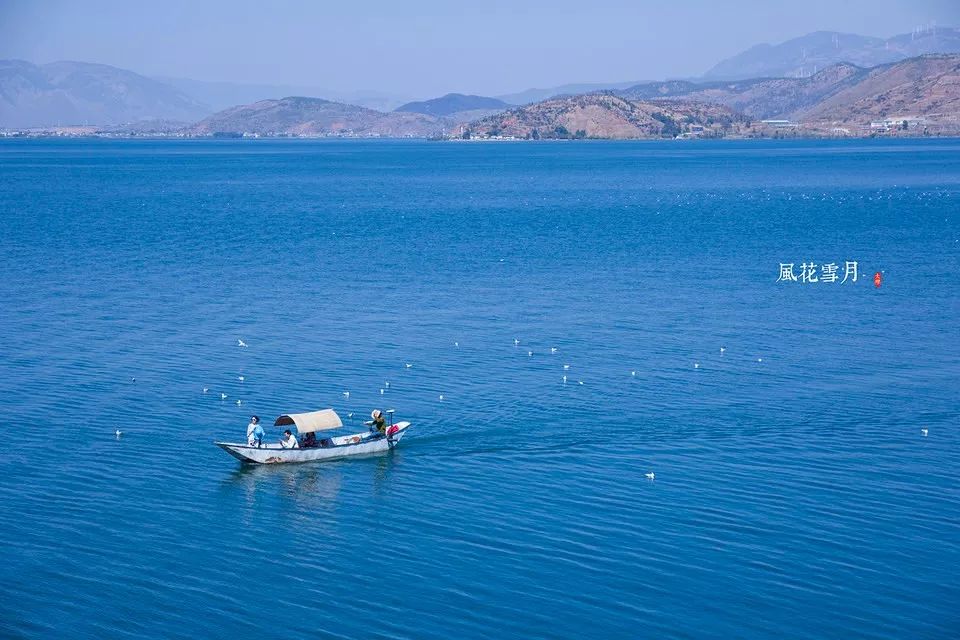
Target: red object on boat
point(877, 279)
point(392, 430)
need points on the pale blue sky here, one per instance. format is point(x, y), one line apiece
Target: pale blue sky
point(430, 47)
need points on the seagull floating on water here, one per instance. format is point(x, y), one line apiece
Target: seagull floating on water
point(350, 415)
point(441, 397)
point(696, 365)
point(924, 432)
point(133, 379)
point(579, 381)
point(346, 394)
point(633, 373)
point(516, 341)
point(241, 343)
point(564, 379)
point(241, 378)
point(408, 365)
point(759, 359)
point(722, 349)
point(456, 344)
point(553, 349)
point(565, 367)
point(205, 389)
point(223, 396)
point(239, 402)
point(119, 433)
point(529, 353)
point(386, 384)
point(650, 475)
point(381, 391)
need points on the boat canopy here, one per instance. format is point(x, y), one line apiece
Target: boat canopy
point(310, 422)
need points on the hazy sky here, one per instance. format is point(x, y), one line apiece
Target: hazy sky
point(422, 48)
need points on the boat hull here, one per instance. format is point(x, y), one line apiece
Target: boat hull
point(342, 447)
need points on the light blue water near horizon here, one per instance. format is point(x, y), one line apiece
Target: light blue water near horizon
point(795, 495)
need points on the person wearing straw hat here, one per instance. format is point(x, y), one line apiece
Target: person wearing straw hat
point(377, 424)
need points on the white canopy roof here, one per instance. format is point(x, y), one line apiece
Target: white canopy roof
point(310, 422)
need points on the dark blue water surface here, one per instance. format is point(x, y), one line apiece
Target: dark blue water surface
point(795, 494)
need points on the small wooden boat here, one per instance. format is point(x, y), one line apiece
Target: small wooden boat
point(313, 449)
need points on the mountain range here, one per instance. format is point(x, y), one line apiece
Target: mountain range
point(117, 100)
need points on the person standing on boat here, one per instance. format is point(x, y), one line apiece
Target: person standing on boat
point(377, 424)
point(254, 432)
point(289, 441)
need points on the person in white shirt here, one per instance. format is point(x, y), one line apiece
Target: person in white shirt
point(252, 429)
point(289, 441)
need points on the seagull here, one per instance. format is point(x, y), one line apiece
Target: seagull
point(205, 389)
point(223, 396)
point(346, 394)
point(408, 365)
point(924, 432)
point(381, 391)
point(239, 402)
point(579, 381)
point(456, 344)
point(553, 349)
point(529, 353)
point(241, 378)
point(722, 349)
point(350, 415)
point(565, 367)
point(696, 365)
point(241, 343)
point(564, 379)
point(133, 379)
point(119, 433)
point(386, 384)
point(633, 373)
point(441, 397)
point(516, 342)
point(759, 359)
point(650, 475)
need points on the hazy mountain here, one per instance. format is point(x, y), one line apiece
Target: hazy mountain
point(536, 95)
point(74, 93)
point(808, 54)
point(316, 117)
point(453, 103)
point(220, 95)
point(608, 116)
point(841, 92)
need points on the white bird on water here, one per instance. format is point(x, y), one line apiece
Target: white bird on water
point(633, 373)
point(696, 365)
point(553, 349)
point(759, 359)
point(239, 402)
point(223, 396)
point(565, 367)
point(241, 378)
point(381, 391)
point(386, 384)
point(205, 389)
point(924, 432)
point(350, 415)
point(441, 397)
point(118, 433)
point(722, 349)
point(516, 342)
point(529, 353)
point(456, 344)
point(579, 381)
point(346, 394)
point(133, 379)
point(651, 475)
point(408, 365)
point(564, 379)
point(241, 343)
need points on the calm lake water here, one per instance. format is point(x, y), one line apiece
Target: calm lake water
point(795, 494)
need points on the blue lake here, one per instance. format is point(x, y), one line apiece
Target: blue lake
point(795, 494)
